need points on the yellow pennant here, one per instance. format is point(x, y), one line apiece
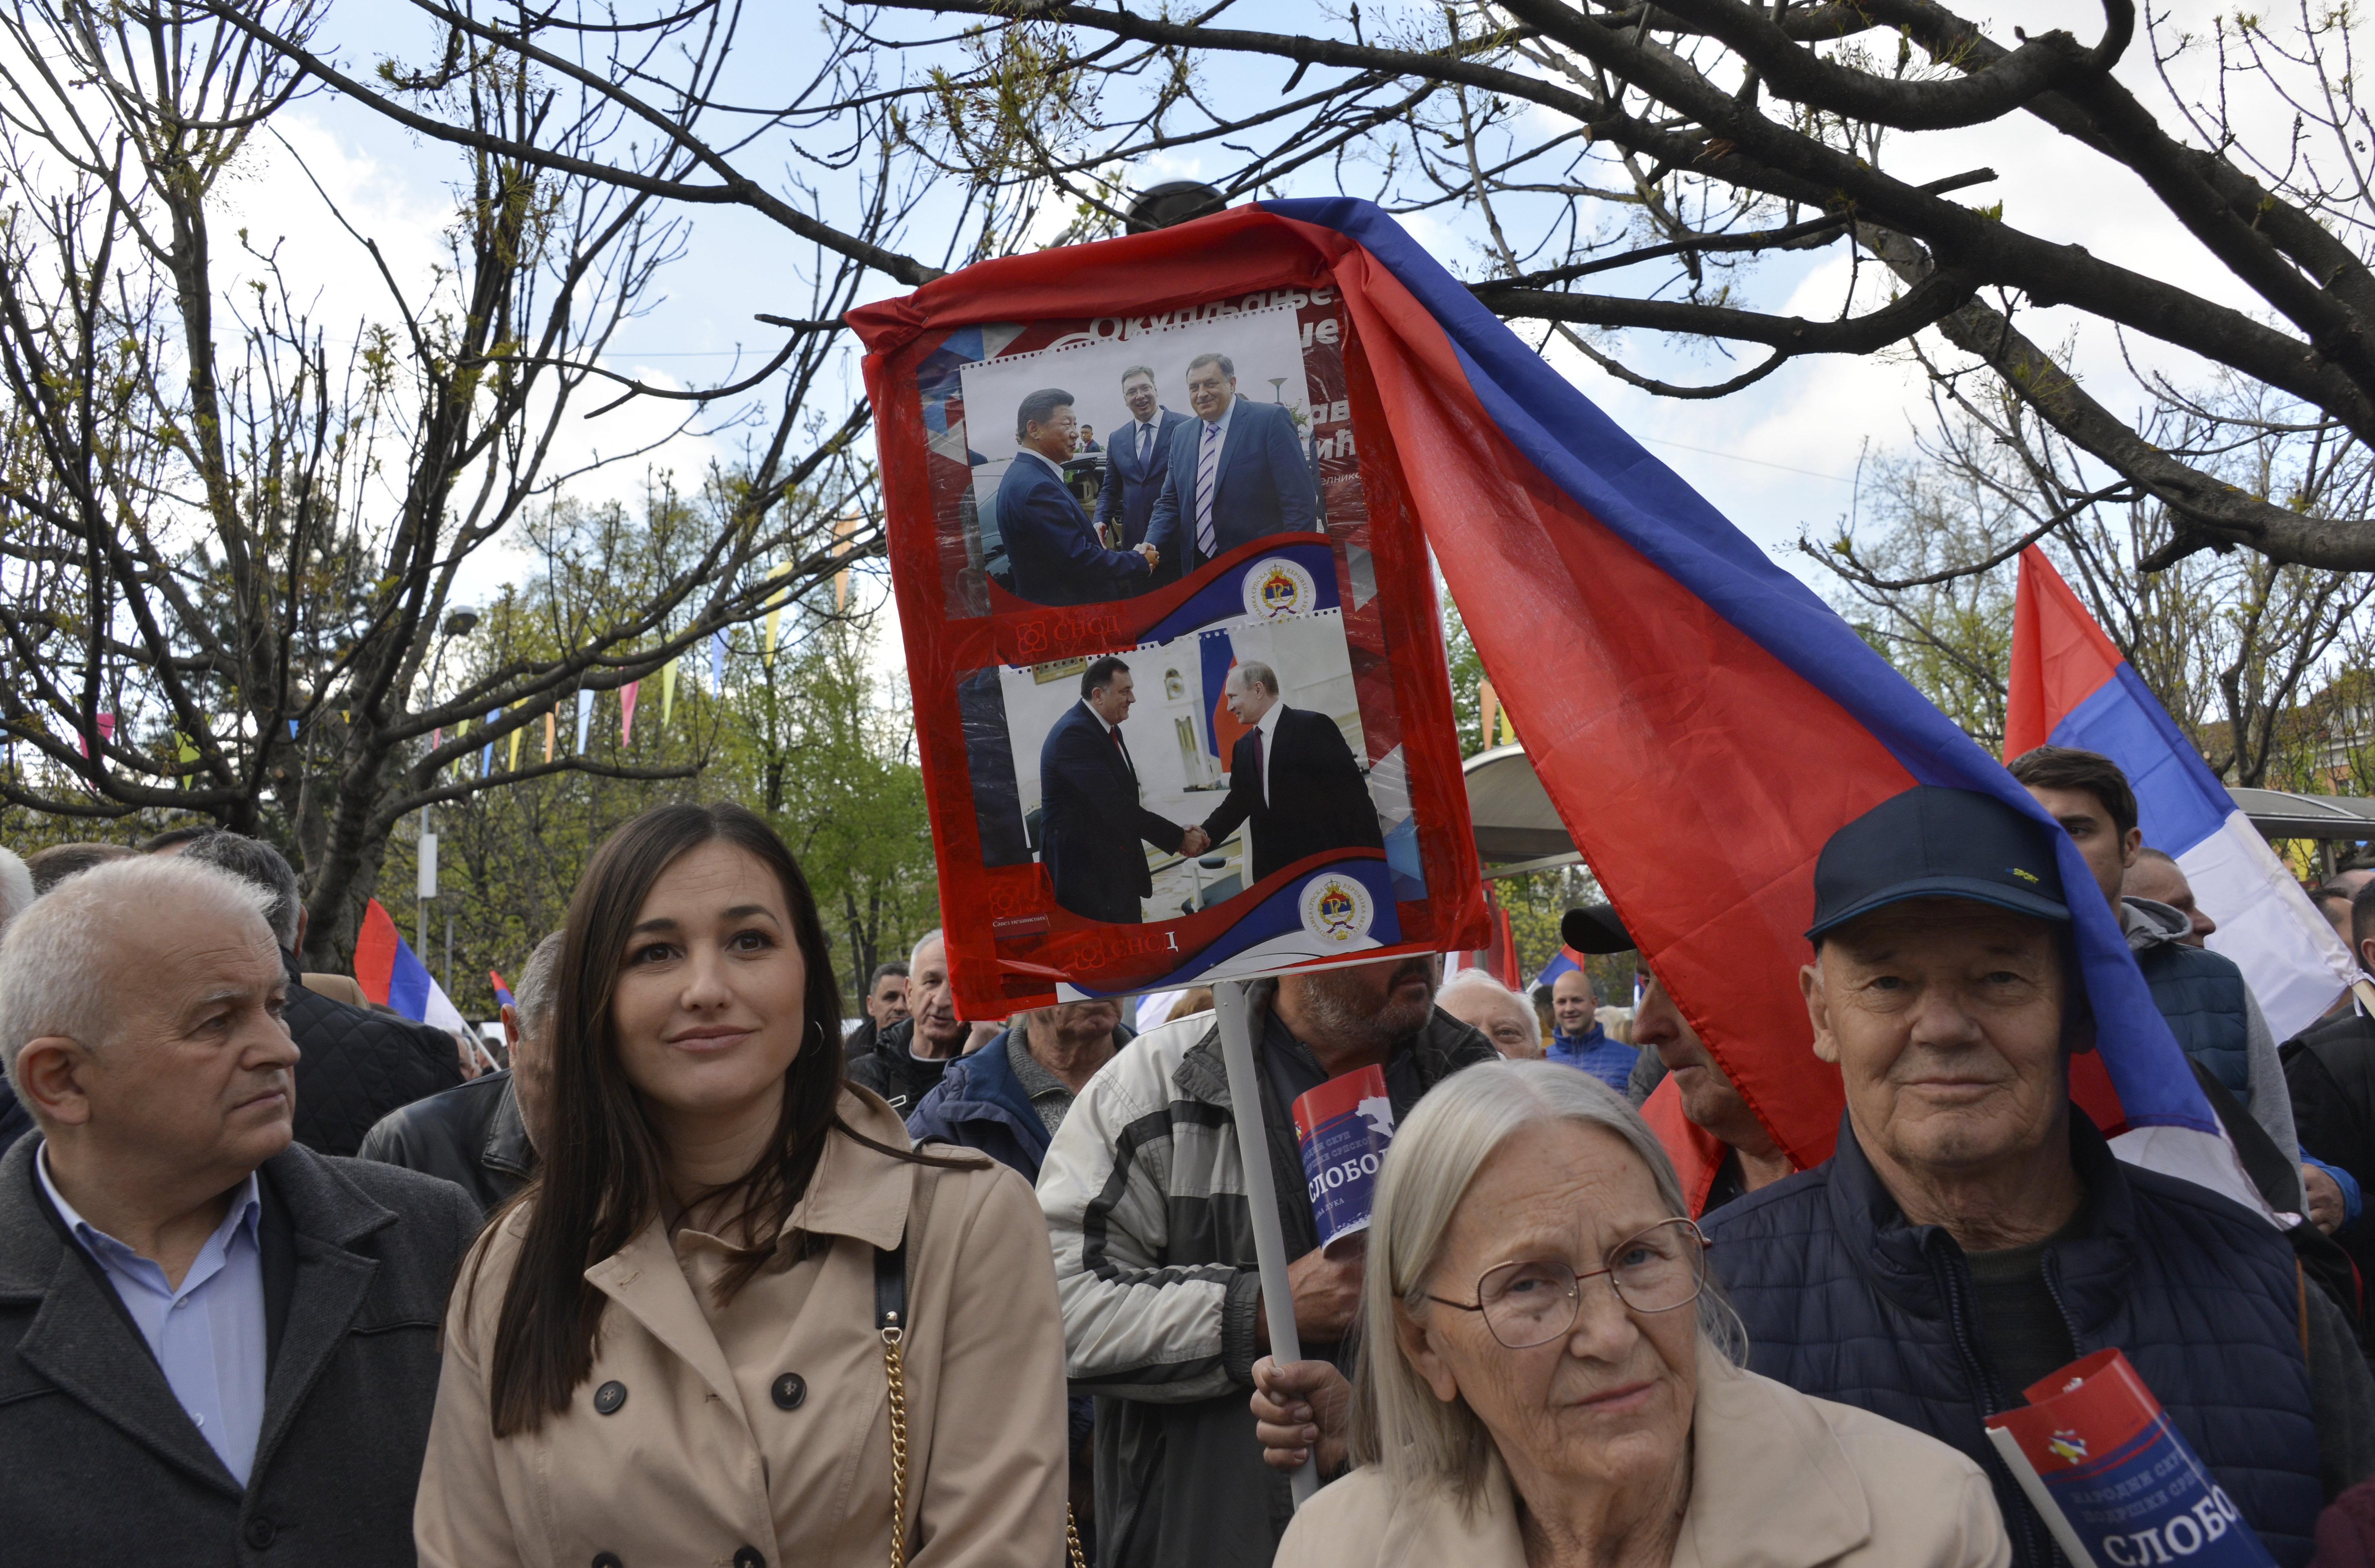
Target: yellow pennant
point(547, 736)
point(775, 612)
point(511, 764)
point(668, 689)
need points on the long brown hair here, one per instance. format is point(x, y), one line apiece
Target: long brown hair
point(602, 1168)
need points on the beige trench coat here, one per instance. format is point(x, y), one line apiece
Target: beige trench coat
point(1779, 1480)
point(701, 1462)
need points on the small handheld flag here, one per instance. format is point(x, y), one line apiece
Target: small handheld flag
point(392, 974)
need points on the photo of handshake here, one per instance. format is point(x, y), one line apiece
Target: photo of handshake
point(1197, 842)
point(1153, 556)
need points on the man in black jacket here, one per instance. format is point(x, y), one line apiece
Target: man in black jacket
point(482, 1137)
point(1091, 816)
point(910, 1055)
point(1292, 777)
point(2329, 1068)
point(357, 1064)
point(215, 1346)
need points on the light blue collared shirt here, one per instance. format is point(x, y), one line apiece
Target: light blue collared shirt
point(208, 1336)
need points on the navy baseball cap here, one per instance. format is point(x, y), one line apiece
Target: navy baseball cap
point(1933, 843)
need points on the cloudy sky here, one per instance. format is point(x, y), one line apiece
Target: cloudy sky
point(1779, 459)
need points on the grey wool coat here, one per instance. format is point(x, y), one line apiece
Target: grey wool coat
point(98, 1463)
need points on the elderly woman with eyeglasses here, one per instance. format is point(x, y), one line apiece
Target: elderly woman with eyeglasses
point(1549, 1378)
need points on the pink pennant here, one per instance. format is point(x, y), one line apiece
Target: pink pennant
point(106, 731)
point(627, 711)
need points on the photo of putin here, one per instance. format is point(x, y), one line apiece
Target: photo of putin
point(1055, 559)
point(1091, 820)
point(1290, 777)
point(1236, 472)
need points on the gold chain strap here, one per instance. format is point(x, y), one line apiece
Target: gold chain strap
point(895, 1368)
point(893, 1365)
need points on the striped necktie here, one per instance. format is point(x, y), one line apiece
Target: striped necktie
point(1208, 468)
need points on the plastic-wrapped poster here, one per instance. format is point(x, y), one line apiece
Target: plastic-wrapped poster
point(1173, 638)
point(1343, 1128)
point(2115, 1480)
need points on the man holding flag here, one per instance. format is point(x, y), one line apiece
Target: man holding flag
point(2202, 993)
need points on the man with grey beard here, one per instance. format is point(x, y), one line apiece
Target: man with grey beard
point(1144, 1193)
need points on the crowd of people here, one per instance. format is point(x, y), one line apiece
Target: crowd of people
point(701, 1275)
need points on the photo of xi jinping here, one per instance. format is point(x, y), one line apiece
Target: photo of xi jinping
point(1092, 821)
point(1055, 559)
point(1236, 472)
point(1292, 779)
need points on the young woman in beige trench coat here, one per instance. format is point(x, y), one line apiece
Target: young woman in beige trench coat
point(665, 1350)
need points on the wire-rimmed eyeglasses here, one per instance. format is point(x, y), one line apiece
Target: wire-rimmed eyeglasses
point(1531, 1302)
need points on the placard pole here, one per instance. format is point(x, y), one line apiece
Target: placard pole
point(1232, 1006)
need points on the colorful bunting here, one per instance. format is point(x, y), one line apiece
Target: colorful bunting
point(667, 691)
point(585, 718)
point(627, 713)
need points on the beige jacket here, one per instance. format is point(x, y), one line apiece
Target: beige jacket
point(1779, 1481)
point(700, 1462)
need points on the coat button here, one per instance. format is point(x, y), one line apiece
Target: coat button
point(608, 1559)
point(609, 1397)
point(789, 1390)
point(749, 1557)
point(261, 1532)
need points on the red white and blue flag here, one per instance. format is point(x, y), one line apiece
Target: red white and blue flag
point(2071, 686)
point(392, 974)
point(1701, 720)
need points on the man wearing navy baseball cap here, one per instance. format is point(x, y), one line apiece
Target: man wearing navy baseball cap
point(1973, 1232)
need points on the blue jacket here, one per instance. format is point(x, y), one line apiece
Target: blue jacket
point(1129, 490)
point(1262, 486)
point(979, 1103)
point(1610, 1061)
point(1057, 561)
point(1843, 1300)
point(2201, 993)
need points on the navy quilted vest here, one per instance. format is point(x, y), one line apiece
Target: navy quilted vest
point(2201, 993)
point(1845, 1301)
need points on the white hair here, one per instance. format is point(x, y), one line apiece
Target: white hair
point(915, 954)
point(1480, 980)
point(55, 976)
point(538, 991)
point(16, 886)
point(1396, 1420)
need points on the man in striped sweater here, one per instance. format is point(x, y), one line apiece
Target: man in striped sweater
point(1144, 1192)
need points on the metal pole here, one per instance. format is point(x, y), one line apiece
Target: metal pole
point(1232, 1008)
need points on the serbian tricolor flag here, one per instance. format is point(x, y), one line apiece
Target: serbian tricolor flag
point(1565, 961)
point(392, 974)
point(2071, 686)
point(502, 992)
point(1701, 720)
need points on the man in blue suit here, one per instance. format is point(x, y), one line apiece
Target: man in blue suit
point(1136, 460)
point(1091, 820)
point(1235, 474)
point(1057, 561)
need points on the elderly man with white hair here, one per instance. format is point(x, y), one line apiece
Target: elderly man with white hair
point(1499, 1014)
point(15, 895)
point(220, 1346)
